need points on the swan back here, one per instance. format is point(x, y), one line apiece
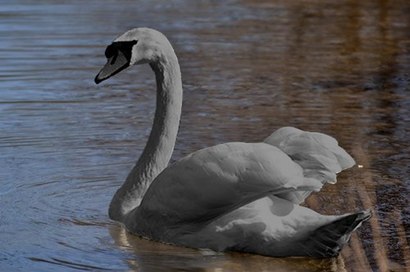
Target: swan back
point(214, 181)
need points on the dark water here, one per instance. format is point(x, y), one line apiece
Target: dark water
point(249, 67)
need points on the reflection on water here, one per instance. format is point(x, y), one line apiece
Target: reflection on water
point(249, 67)
point(150, 254)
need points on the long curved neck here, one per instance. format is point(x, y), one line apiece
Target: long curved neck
point(160, 145)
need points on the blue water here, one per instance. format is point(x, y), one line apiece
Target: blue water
point(249, 67)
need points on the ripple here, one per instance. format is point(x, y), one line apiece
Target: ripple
point(65, 263)
point(248, 68)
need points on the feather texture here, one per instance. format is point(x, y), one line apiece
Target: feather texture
point(319, 155)
point(216, 180)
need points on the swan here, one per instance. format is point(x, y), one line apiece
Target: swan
point(229, 197)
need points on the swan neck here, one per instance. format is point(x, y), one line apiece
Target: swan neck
point(158, 150)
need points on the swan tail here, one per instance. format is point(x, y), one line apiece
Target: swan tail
point(328, 240)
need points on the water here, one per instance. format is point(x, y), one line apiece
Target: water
point(249, 67)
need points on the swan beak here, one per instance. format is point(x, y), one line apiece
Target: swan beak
point(114, 65)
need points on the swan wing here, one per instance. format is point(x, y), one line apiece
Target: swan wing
point(214, 181)
point(319, 155)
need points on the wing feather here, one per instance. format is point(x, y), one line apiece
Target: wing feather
point(318, 154)
point(216, 180)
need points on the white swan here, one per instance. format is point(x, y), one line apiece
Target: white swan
point(232, 196)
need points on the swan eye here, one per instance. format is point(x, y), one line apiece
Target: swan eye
point(110, 51)
point(124, 47)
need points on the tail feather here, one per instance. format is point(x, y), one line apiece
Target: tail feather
point(328, 240)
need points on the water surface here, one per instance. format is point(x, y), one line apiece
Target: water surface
point(249, 67)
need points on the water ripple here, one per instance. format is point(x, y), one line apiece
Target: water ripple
point(248, 68)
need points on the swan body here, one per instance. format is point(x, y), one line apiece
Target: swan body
point(232, 196)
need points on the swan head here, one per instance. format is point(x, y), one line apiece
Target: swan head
point(136, 46)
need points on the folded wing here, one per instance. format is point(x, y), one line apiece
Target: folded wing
point(319, 155)
point(216, 180)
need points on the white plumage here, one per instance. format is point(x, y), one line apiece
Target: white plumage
point(232, 196)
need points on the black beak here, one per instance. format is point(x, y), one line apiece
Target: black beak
point(114, 65)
